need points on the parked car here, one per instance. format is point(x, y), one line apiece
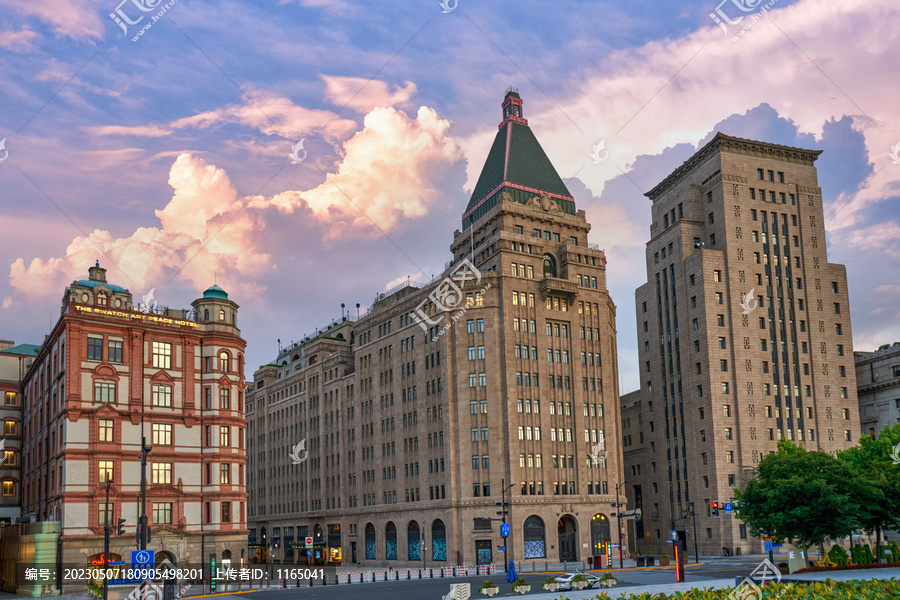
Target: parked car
point(565, 581)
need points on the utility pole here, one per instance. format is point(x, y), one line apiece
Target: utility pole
point(504, 509)
point(106, 539)
point(619, 521)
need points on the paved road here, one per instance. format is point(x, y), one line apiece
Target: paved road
point(433, 589)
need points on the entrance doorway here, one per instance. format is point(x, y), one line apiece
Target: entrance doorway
point(483, 552)
point(568, 547)
point(353, 552)
point(166, 562)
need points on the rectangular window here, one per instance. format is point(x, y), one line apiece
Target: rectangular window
point(106, 430)
point(225, 474)
point(105, 470)
point(115, 351)
point(95, 349)
point(225, 399)
point(162, 355)
point(162, 512)
point(162, 395)
point(224, 436)
point(105, 391)
point(161, 434)
point(104, 511)
point(161, 473)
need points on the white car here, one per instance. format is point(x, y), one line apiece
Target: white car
point(565, 581)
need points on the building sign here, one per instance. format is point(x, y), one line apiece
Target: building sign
point(135, 316)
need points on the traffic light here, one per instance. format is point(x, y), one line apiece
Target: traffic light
point(715, 509)
point(120, 528)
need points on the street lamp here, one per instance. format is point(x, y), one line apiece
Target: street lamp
point(505, 508)
point(423, 546)
point(619, 521)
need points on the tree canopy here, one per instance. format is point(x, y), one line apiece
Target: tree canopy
point(812, 496)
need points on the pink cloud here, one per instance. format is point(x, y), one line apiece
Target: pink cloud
point(362, 95)
point(647, 99)
point(18, 41)
point(392, 170)
point(77, 19)
point(272, 114)
point(138, 130)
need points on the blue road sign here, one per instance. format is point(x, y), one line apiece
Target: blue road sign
point(767, 545)
point(777, 544)
point(309, 552)
point(501, 548)
point(143, 557)
point(504, 529)
point(728, 508)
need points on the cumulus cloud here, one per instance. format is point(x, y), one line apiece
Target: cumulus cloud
point(391, 171)
point(362, 95)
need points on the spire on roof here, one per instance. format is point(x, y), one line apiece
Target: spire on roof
point(517, 165)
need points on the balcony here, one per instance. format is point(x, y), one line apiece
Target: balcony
point(557, 285)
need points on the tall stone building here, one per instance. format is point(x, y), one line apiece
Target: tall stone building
point(743, 332)
point(499, 378)
point(109, 375)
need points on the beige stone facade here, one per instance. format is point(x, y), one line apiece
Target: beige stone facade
point(416, 419)
point(743, 332)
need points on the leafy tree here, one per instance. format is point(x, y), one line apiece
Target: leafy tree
point(879, 487)
point(796, 494)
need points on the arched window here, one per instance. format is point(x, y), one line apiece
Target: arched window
point(413, 543)
point(370, 542)
point(223, 361)
point(599, 533)
point(549, 266)
point(390, 541)
point(438, 541)
point(206, 315)
point(221, 314)
point(533, 535)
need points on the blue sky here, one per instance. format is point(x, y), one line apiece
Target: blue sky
point(168, 157)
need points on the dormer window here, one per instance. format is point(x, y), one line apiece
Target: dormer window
point(101, 299)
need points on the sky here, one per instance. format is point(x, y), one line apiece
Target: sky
point(161, 138)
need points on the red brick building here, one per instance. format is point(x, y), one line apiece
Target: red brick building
point(109, 375)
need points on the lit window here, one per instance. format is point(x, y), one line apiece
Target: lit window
point(224, 362)
point(105, 470)
point(106, 430)
point(162, 355)
point(161, 473)
point(161, 434)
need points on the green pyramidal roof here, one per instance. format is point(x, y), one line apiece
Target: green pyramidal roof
point(517, 165)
